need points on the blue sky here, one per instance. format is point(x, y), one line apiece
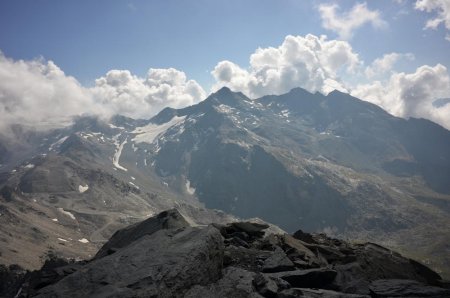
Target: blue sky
point(88, 39)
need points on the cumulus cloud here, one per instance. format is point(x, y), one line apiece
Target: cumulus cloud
point(440, 7)
point(385, 64)
point(318, 64)
point(411, 94)
point(344, 24)
point(310, 62)
point(38, 93)
point(137, 97)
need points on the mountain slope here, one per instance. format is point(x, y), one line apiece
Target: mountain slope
point(71, 195)
point(324, 163)
point(330, 163)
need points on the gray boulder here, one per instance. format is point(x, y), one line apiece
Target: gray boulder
point(236, 283)
point(277, 262)
point(165, 257)
point(170, 219)
point(163, 264)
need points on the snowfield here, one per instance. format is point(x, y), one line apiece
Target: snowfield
point(148, 133)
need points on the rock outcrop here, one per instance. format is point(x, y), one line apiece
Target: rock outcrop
point(165, 257)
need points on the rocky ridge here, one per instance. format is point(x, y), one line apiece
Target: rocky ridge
point(164, 256)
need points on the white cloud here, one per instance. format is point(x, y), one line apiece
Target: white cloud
point(133, 96)
point(37, 93)
point(385, 64)
point(318, 64)
point(344, 24)
point(310, 62)
point(442, 8)
point(411, 94)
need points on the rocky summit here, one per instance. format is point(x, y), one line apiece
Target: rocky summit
point(165, 256)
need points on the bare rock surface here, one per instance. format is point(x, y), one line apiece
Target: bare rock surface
point(170, 219)
point(164, 256)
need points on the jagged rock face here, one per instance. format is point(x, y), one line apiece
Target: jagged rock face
point(165, 257)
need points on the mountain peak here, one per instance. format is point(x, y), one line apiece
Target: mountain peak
point(224, 90)
point(226, 96)
point(336, 91)
point(299, 90)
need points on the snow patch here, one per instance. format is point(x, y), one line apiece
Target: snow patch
point(82, 188)
point(67, 213)
point(55, 219)
point(83, 240)
point(134, 185)
point(29, 166)
point(116, 156)
point(133, 178)
point(116, 127)
point(189, 189)
point(285, 113)
point(57, 143)
point(224, 109)
point(61, 239)
point(148, 133)
point(328, 133)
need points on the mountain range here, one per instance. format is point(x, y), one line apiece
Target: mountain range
point(323, 163)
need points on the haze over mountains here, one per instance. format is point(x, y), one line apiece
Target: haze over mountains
point(299, 160)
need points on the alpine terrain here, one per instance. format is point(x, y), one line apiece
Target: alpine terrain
point(332, 164)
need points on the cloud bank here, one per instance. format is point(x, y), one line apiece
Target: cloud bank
point(38, 94)
point(130, 95)
point(411, 94)
point(310, 62)
point(318, 64)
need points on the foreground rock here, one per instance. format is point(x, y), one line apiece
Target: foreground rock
point(165, 257)
point(170, 219)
